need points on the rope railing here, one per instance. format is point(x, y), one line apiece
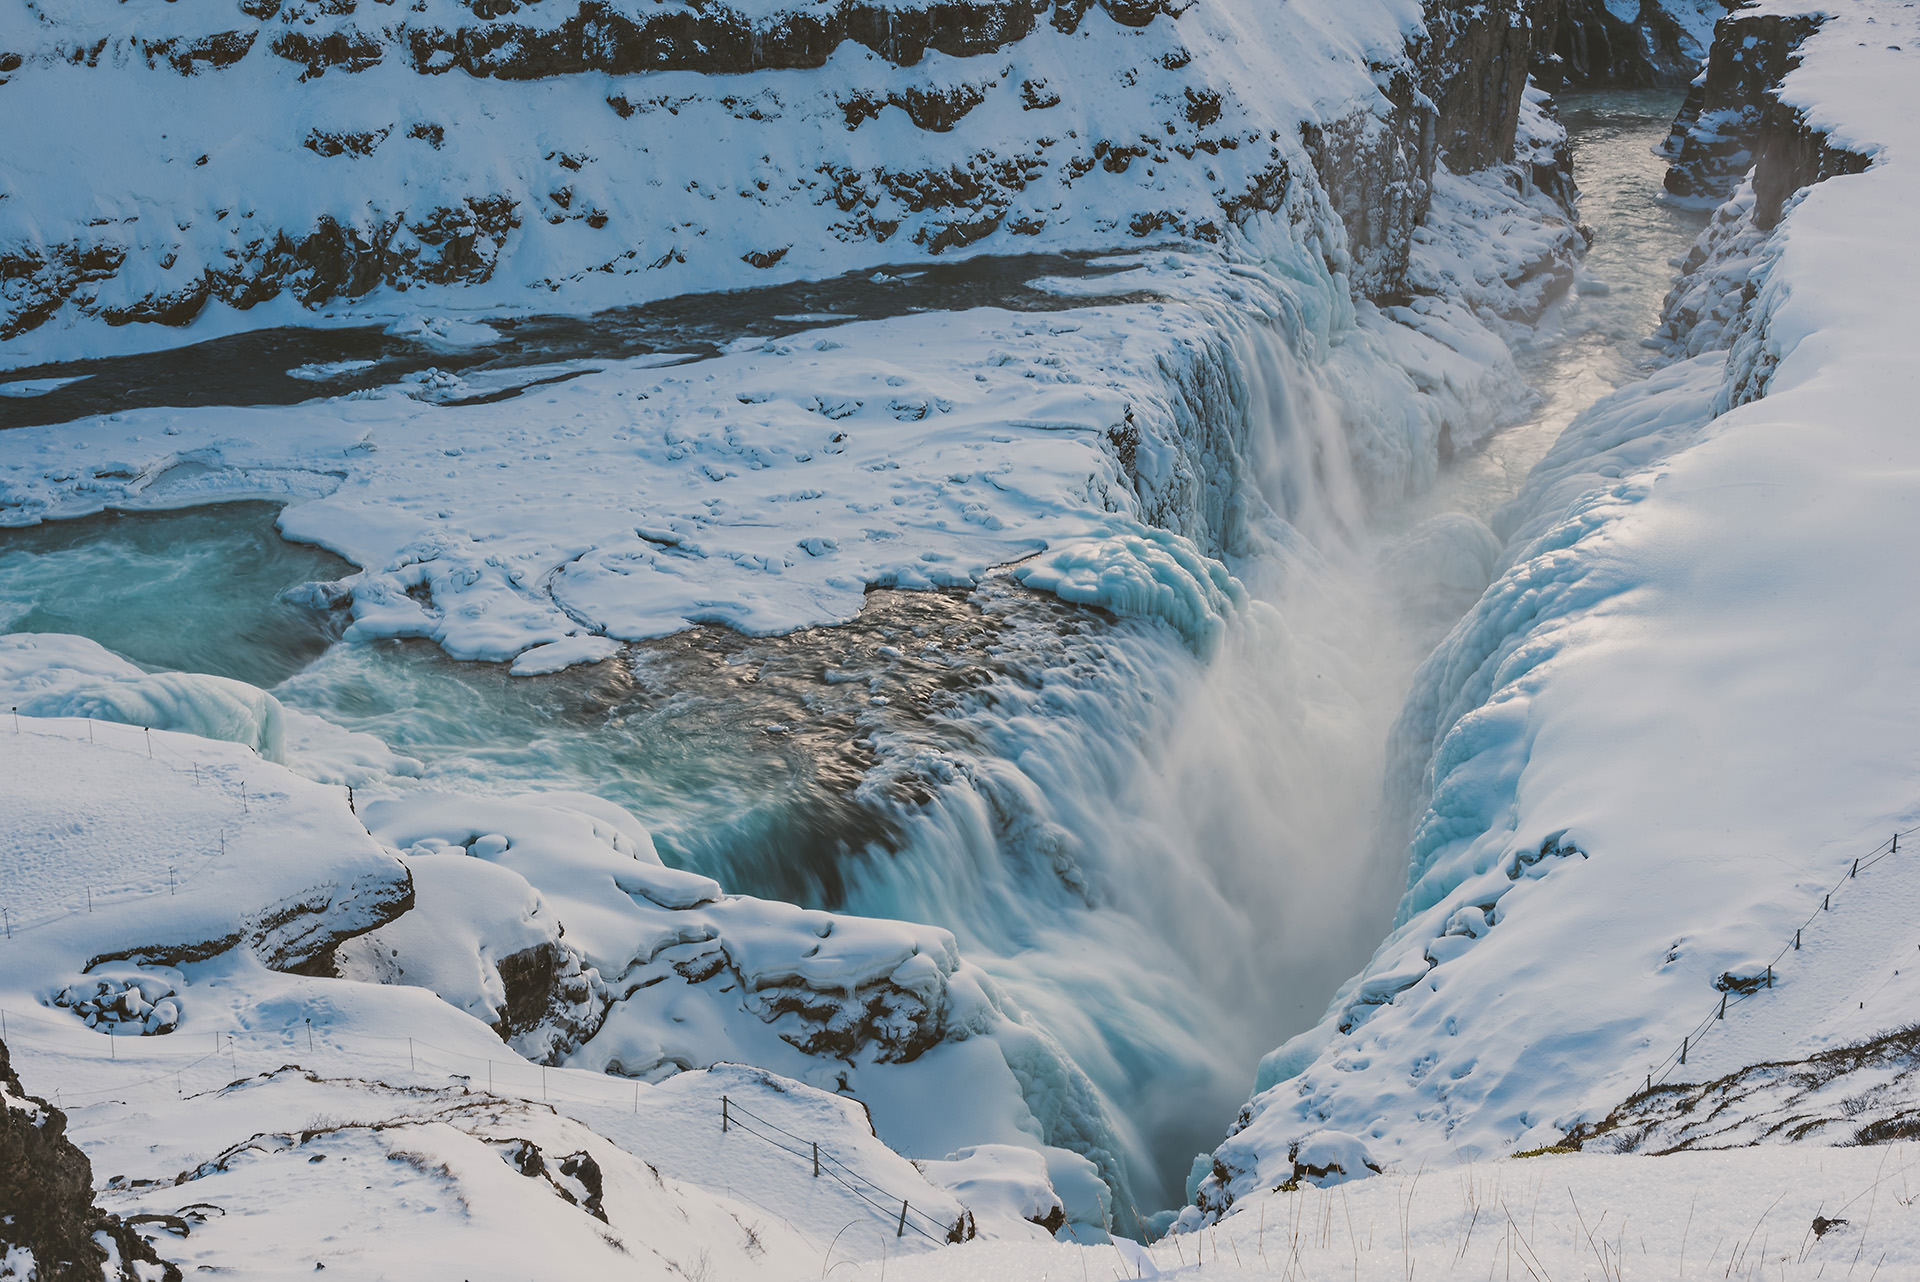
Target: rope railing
point(134, 740)
point(139, 741)
point(908, 1216)
point(498, 1077)
point(1728, 1000)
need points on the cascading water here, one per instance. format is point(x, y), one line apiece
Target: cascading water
point(1167, 856)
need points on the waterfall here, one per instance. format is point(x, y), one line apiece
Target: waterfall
point(1168, 862)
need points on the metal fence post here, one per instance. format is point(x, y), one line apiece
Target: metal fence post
point(901, 1230)
point(723, 1115)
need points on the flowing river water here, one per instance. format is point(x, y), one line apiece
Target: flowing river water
point(1163, 941)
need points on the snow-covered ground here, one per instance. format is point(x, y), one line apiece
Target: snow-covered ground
point(277, 988)
point(1643, 761)
point(572, 162)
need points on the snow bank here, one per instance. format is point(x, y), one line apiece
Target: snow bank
point(172, 894)
point(551, 918)
point(167, 847)
point(49, 675)
point(1677, 716)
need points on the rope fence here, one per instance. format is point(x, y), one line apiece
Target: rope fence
point(825, 1163)
point(138, 741)
point(1659, 1073)
point(517, 1079)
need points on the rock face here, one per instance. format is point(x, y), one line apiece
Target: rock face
point(1733, 120)
point(611, 149)
point(1859, 1094)
point(1590, 44)
point(49, 1226)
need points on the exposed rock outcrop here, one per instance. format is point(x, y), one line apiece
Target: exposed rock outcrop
point(50, 1229)
point(1589, 44)
point(1863, 1094)
point(1734, 121)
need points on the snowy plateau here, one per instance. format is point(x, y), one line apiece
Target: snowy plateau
point(959, 640)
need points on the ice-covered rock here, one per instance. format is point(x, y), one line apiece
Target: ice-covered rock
point(47, 675)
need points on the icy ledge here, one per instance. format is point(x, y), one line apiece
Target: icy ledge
point(770, 487)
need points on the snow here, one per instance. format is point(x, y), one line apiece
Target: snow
point(636, 186)
point(49, 675)
point(1126, 454)
point(199, 863)
point(768, 488)
point(1675, 719)
point(25, 387)
point(1741, 1213)
point(1624, 779)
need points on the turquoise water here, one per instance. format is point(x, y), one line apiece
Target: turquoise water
point(198, 590)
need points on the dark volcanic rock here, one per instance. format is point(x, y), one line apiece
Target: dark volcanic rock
point(1733, 120)
point(1475, 71)
point(1588, 46)
point(46, 1198)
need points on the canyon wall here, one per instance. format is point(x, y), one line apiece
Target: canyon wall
point(288, 158)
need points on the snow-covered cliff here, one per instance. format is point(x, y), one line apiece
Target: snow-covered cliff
point(1641, 765)
point(307, 159)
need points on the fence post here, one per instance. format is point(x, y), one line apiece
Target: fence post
point(148, 731)
point(1769, 976)
point(309, 1034)
point(1723, 1007)
point(1683, 1050)
point(1856, 869)
point(901, 1229)
point(816, 1159)
point(1826, 902)
point(1649, 1083)
point(723, 1115)
point(1796, 941)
